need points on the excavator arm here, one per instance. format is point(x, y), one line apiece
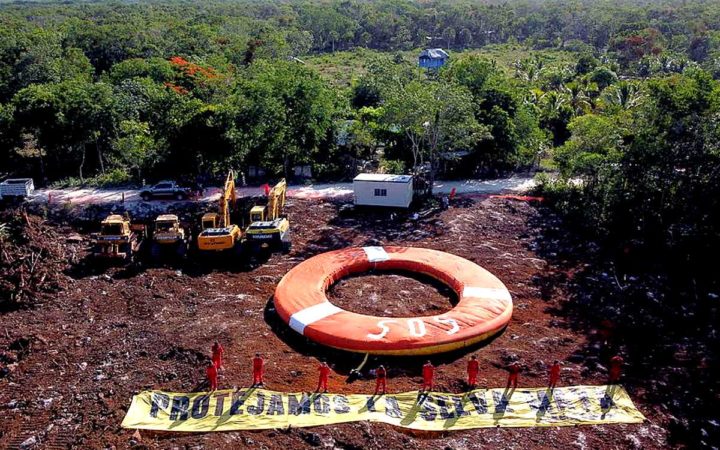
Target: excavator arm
point(227, 199)
point(276, 200)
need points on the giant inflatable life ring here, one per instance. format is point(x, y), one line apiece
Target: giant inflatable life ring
point(484, 307)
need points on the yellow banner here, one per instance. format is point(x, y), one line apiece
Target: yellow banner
point(256, 409)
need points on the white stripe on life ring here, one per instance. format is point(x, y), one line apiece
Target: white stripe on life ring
point(481, 292)
point(312, 314)
point(376, 254)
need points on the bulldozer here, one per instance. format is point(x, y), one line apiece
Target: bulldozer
point(118, 239)
point(269, 229)
point(218, 233)
point(169, 237)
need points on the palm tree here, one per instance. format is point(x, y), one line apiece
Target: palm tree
point(532, 97)
point(529, 69)
point(552, 103)
point(578, 98)
point(624, 95)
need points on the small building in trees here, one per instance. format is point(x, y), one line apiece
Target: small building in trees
point(433, 58)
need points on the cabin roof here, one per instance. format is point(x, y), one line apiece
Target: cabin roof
point(434, 53)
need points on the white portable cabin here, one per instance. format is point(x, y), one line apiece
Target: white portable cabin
point(375, 189)
point(17, 187)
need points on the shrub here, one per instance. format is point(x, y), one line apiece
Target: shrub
point(392, 166)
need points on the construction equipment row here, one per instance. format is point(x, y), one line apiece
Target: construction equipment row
point(268, 232)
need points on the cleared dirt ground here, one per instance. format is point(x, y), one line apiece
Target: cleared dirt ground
point(105, 334)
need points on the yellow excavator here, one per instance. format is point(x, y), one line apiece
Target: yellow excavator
point(218, 233)
point(269, 229)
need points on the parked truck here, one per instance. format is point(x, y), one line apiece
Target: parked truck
point(165, 190)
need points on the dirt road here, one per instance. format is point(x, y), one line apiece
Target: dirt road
point(87, 196)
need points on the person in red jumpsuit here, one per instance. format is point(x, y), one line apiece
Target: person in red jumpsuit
point(473, 368)
point(554, 374)
point(258, 368)
point(616, 363)
point(324, 370)
point(381, 375)
point(428, 371)
point(217, 355)
point(212, 376)
point(514, 370)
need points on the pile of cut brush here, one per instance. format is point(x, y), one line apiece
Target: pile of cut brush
point(32, 260)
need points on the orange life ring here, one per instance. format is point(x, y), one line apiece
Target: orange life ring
point(484, 307)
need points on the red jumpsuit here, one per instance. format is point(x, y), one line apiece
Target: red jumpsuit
point(427, 373)
point(212, 376)
point(554, 375)
point(380, 381)
point(616, 363)
point(217, 354)
point(513, 377)
point(258, 369)
point(473, 368)
point(324, 375)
